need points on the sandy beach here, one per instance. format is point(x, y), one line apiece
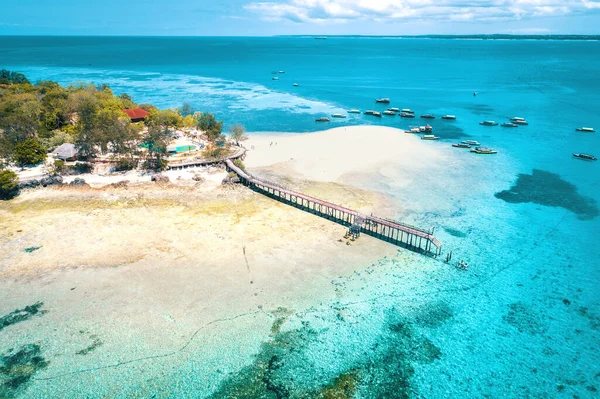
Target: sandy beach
point(158, 260)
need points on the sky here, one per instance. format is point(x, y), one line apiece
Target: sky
point(297, 17)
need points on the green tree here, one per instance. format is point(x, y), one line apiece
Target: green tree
point(156, 141)
point(9, 182)
point(29, 152)
point(186, 109)
point(210, 126)
point(238, 133)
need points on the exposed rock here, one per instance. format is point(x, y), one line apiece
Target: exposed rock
point(51, 180)
point(198, 177)
point(29, 184)
point(160, 178)
point(120, 184)
point(231, 179)
point(78, 181)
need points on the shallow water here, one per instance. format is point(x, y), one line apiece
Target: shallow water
point(521, 322)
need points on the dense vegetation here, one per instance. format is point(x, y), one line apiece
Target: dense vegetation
point(36, 118)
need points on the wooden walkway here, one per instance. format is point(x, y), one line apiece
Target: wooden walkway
point(203, 162)
point(396, 233)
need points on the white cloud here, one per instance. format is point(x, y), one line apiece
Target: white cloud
point(316, 11)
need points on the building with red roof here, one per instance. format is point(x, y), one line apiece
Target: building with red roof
point(136, 114)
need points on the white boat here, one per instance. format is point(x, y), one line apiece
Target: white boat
point(413, 130)
point(585, 129)
point(429, 137)
point(354, 111)
point(295, 84)
point(470, 142)
point(450, 117)
point(383, 100)
point(587, 157)
point(394, 109)
point(281, 71)
point(275, 78)
point(322, 119)
point(489, 123)
point(388, 112)
point(509, 124)
point(483, 150)
point(408, 110)
point(338, 115)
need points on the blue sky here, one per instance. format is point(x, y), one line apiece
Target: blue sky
point(281, 17)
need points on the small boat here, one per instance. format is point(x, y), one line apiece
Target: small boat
point(375, 113)
point(406, 115)
point(428, 116)
point(470, 142)
point(519, 121)
point(517, 118)
point(394, 109)
point(413, 130)
point(383, 100)
point(281, 71)
point(295, 85)
point(461, 145)
point(322, 119)
point(338, 115)
point(274, 72)
point(426, 128)
point(369, 112)
point(354, 111)
point(509, 124)
point(408, 110)
point(587, 157)
point(489, 123)
point(462, 265)
point(275, 78)
point(585, 129)
point(449, 117)
point(483, 150)
point(429, 137)
point(388, 112)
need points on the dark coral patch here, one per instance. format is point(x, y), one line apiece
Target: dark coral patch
point(548, 189)
point(16, 369)
point(20, 315)
point(455, 233)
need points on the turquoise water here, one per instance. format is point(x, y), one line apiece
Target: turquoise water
point(185, 148)
point(523, 321)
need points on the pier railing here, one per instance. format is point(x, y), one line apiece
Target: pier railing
point(396, 233)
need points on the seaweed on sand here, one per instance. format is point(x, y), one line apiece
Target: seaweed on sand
point(385, 372)
point(16, 369)
point(519, 315)
point(20, 315)
point(96, 342)
point(433, 314)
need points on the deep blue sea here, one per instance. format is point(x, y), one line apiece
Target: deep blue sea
point(524, 321)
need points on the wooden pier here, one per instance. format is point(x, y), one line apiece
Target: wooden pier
point(400, 234)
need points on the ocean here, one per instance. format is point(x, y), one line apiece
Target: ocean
point(524, 320)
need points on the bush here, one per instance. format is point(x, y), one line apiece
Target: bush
point(214, 152)
point(9, 184)
point(58, 167)
point(82, 167)
point(238, 162)
point(29, 152)
point(125, 164)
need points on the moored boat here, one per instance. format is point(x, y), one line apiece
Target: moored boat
point(449, 117)
point(369, 112)
point(519, 121)
point(354, 111)
point(383, 100)
point(406, 115)
point(461, 145)
point(375, 113)
point(322, 119)
point(281, 71)
point(295, 84)
point(407, 110)
point(275, 78)
point(413, 130)
point(470, 142)
point(394, 109)
point(483, 150)
point(585, 129)
point(509, 124)
point(429, 137)
point(388, 112)
point(428, 116)
point(338, 115)
point(587, 157)
point(489, 123)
